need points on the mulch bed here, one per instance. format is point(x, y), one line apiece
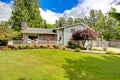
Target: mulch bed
point(2, 47)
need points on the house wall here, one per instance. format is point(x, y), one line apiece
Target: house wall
point(60, 34)
point(25, 36)
point(68, 33)
point(41, 36)
point(50, 37)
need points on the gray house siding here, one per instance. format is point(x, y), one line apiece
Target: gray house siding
point(60, 36)
point(68, 32)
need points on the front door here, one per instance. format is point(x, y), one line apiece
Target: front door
point(61, 38)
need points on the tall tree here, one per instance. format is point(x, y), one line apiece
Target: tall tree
point(25, 11)
point(107, 26)
point(70, 21)
point(61, 22)
point(78, 20)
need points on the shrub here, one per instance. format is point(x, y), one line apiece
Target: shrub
point(64, 48)
point(30, 47)
point(23, 47)
point(10, 46)
point(77, 49)
point(41, 46)
point(45, 46)
point(110, 52)
point(6, 48)
point(16, 47)
point(50, 47)
point(37, 47)
point(97, 48)
point(70, 44)
point(57, 46)
point(74, 46)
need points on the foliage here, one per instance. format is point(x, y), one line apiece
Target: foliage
point(25, 11)
point(37, 47)
point(82, 35)
point(56, 46)
point(2, 43)
point(6, 33)
point(77, 49)
point(61, 22)
point(78, 20)
point(70, 21)
point(70, 43)
point(6, 48)
point(50, 47)
point(97, 48)
point(16, 47)
point(45, 46)
point(46, 25)
point(111, 52)
point(16, 35)
point(30, 47)
point(23, 47)
point(115, 15)
point(105, 25)
point(64, 48)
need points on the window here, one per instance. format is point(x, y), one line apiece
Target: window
point(72, 30)
point(33, 37)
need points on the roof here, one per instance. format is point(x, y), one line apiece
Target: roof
point(38, 31)
point(66, 26)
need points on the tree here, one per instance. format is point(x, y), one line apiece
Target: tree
point(78, 20)
point(70, 21)
point(115, 15)
point(83, 35)
point(107, 26)
point(61, 22)
point(25, 11)
point(5, 33)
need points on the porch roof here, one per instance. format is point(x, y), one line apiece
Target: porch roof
point(38, 31)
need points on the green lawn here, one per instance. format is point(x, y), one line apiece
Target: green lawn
point(46, 64)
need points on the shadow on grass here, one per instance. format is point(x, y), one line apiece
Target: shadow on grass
point(93, 68)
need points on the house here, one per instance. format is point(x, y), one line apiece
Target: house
point(64, 34)
point(40, 36)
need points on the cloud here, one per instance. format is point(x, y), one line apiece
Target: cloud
point(81, 10)
point(49, 16)
point(5, 11)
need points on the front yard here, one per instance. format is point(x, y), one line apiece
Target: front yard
point(51, 64)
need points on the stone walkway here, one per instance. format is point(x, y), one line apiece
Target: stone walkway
point(117, 50)
point(87, 51)
point(91, 51)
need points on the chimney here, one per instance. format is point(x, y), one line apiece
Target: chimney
point(23, 25)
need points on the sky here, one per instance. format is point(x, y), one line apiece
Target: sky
point(51, 10)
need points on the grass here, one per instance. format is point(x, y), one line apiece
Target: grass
point(46, 64)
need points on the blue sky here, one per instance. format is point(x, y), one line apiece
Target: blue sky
point(58, 6)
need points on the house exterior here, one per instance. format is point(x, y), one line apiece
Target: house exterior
point(40, 36)
point(64, 34)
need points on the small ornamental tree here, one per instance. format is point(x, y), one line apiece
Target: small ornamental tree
point(83, 35)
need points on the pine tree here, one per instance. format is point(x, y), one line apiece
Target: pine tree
point(26, 11)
